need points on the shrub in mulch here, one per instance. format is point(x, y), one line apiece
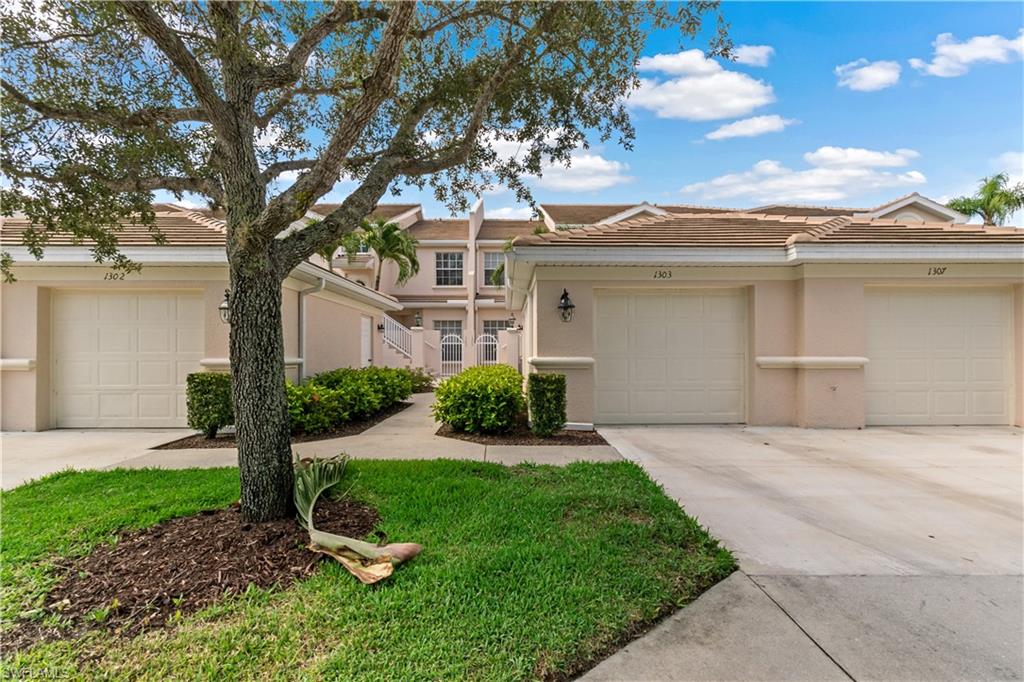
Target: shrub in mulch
point(227, 440)
point(522, 435)
point(157, 574)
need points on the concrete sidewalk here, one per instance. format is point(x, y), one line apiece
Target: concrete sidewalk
point(407, 435)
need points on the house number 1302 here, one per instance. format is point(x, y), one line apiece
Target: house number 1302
point(662, 274)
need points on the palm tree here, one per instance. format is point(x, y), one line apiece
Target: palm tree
point(994, 202)
point(388, 242)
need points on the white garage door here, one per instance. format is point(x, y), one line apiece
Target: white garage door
point(938, 357)
point(670, 357)
point(120, 359)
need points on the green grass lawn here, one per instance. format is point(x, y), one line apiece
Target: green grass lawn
point(527, 572)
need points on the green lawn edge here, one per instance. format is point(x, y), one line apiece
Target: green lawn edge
point(527, 572)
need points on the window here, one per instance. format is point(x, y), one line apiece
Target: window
point(492, 327)
point(447, 327)
point(492, 261)
point(448, 269)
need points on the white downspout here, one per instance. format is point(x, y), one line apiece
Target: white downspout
point(316, 288)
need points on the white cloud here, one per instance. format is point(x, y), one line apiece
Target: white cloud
point(953, 58)
point(751, 127)
point(856, 157)
point(515, 212)
point(588, 172)
point(865, 76)
point(753, 55)
point(835, 174)
point(701, 89)
point(727, 94)
point(685, 63)
point(1011, 163)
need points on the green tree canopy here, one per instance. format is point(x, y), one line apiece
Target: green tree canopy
point(105, 102)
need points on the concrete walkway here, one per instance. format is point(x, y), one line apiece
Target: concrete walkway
point(407, 435)
point(881, 554)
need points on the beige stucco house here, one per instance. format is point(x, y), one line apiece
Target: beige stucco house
point(85, 347)
point(809, 316)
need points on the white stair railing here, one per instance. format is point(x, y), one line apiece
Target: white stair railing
point(398, 336)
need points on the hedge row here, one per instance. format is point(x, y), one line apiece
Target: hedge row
point(489, 399)
point(321, 403)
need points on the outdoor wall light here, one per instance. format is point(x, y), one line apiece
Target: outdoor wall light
point(380, 327)
point(417, 319)
point(511, 322)
point(225, 308)
point(566, 306)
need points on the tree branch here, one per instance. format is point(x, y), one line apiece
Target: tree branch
point(278, 167)
point(153, 26)
point(141, 118)
point(290, 70)
point(293, 202)
point(289, 94)
point(172, 183)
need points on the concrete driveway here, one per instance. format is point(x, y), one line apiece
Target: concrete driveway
point(886, 553)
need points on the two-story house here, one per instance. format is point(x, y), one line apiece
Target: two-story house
point(454, 293)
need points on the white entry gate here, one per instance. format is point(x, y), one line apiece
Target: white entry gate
point(486, 349)
point(451, 355)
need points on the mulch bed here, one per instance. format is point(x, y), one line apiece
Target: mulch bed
point(184, 565)
point(227, 440)
point(522, 435)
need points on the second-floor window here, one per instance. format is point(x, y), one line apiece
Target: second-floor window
point(448, 269)
point(492, 261)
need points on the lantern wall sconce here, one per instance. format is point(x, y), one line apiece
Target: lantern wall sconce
point(566, 306)
point(225, 308)
point(417, 319)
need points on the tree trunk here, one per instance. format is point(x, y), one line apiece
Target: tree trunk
point(376, 277)
point(261, 408)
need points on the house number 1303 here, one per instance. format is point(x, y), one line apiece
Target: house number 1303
point(662, 274)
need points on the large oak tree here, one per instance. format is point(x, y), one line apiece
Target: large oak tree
point(262, 107)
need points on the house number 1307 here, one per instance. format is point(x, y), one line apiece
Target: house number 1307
point(937, 271)
point(662, 274)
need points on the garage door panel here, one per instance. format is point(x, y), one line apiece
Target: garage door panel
point(938, 356)
point(115, 374)
point(120, 358)
point(649, 370)
point(157, 340)
point(683, 362)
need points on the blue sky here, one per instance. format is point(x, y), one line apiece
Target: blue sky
point(848, 104)
point(904, 129)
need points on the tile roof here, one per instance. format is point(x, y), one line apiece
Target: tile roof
point(446, 228)
point(589, 214)
point(505, 228)
point(806, 211)
point(385, 211)
point(744, 230)
point(178, 227)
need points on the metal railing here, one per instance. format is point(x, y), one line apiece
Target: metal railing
point(398, 336)
point(487, 349)
point(451, 355)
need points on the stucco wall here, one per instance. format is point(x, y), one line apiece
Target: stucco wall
point(816, 311)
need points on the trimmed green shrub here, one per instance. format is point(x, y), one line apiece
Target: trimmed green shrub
point(314, 408)
point(370, 389)
point(546, 396)
point(486, 399)
point(208, 399)
point(422, 380)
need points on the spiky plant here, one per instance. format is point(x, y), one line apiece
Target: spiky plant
point(366, 561)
